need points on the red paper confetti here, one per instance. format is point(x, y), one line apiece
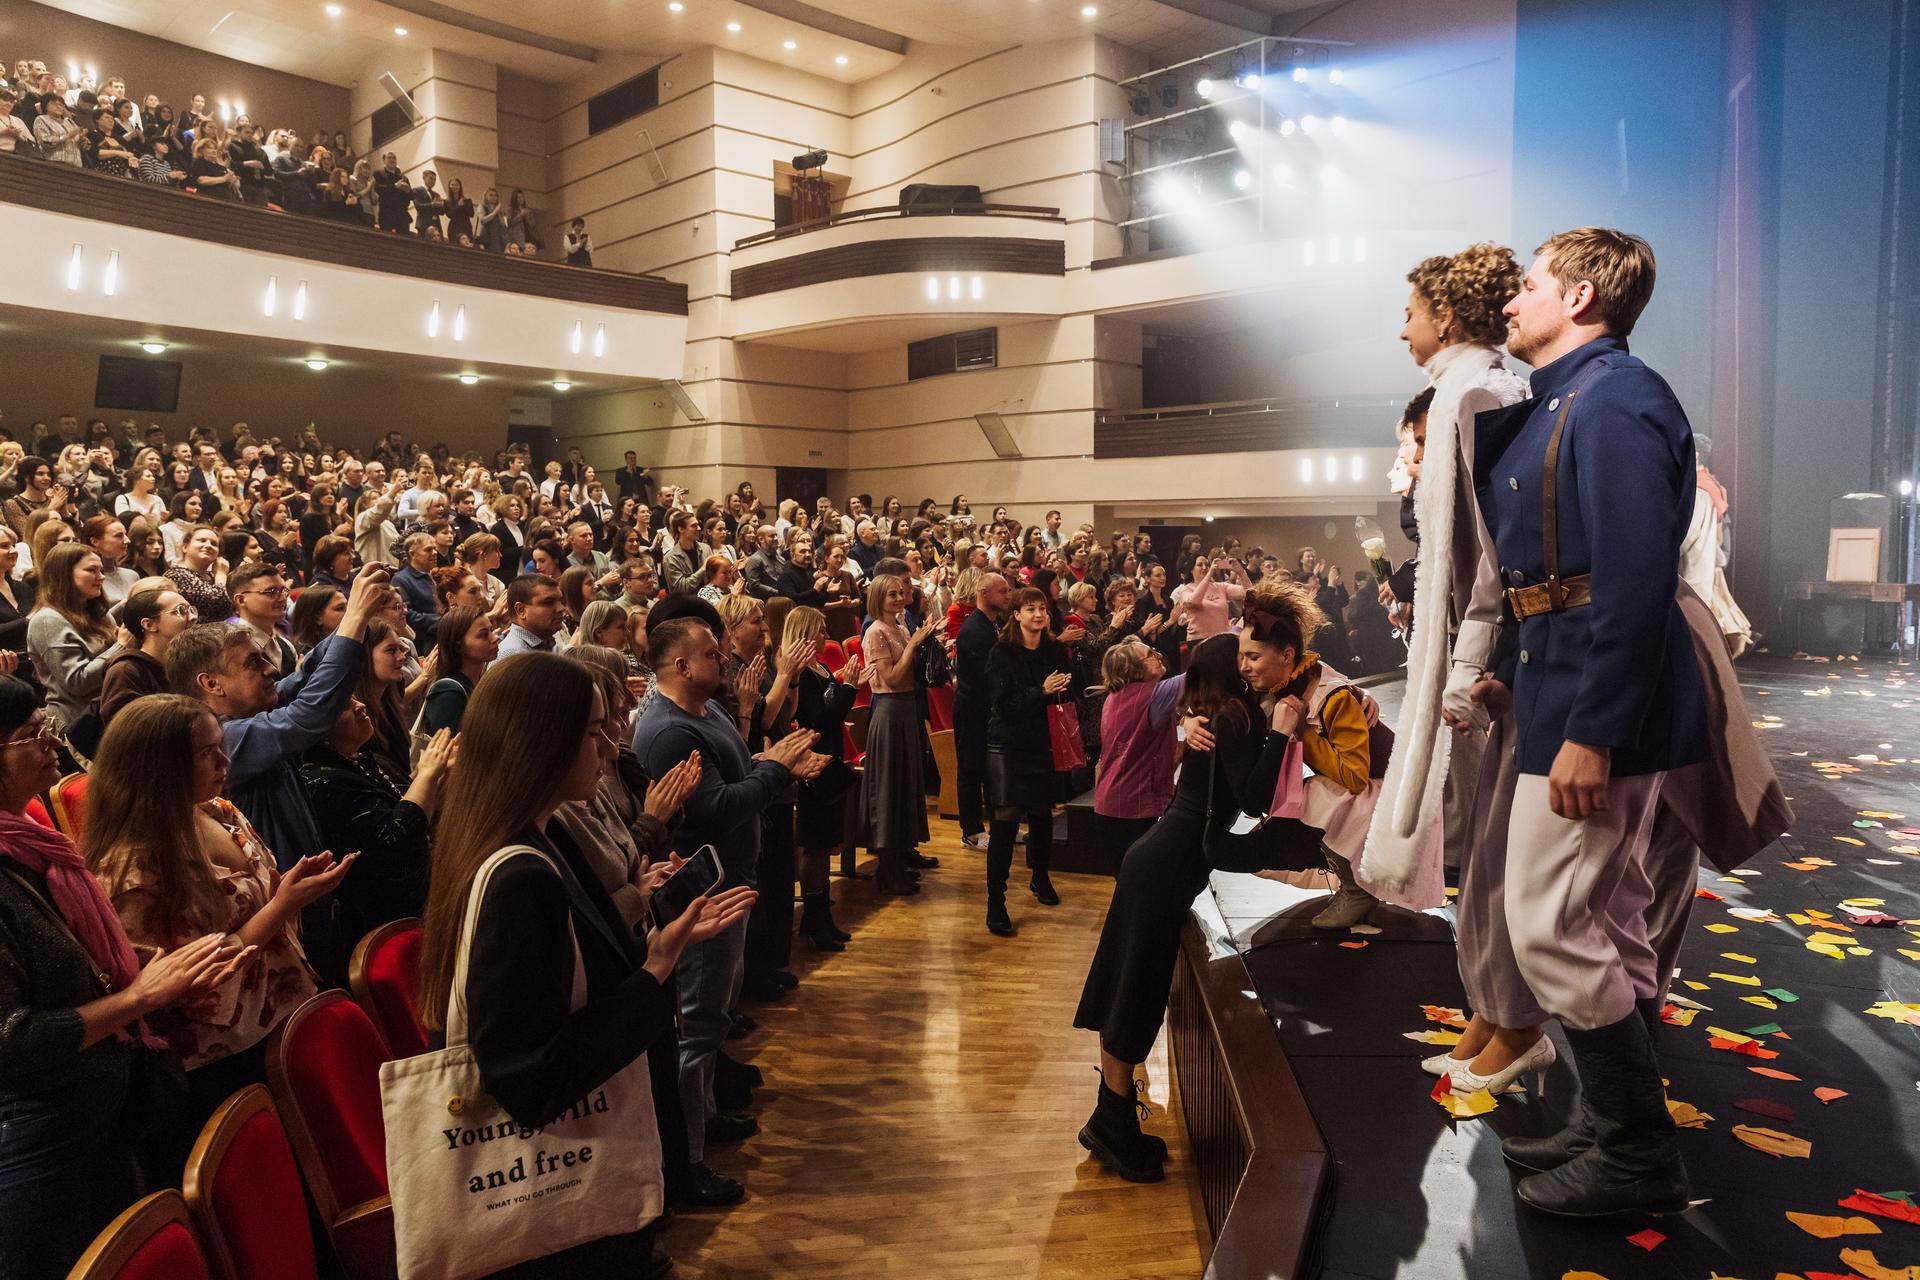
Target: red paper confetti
point(1353, 946)
point(1708, 894)
point(1764, 1107)
point(1880, 1206)
point(1752, 1048)
point(1648, 1239)
point(1828, 1096)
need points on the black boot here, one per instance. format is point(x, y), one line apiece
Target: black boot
point(999, 922)
point(733, 1083)
point(892, 877)
point(920, 861)
point(1633, 1165)
point(1538, 1155)
point(1113, 1134)
point(816, 923)
point(1043, 889)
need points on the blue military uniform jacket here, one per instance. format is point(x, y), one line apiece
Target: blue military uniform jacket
point(1618, 672)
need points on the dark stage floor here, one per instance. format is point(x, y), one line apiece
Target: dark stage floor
point(1415, 1195)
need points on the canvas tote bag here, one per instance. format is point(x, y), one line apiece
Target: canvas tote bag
point(474, 1191)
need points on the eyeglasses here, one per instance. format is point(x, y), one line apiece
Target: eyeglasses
point(182, 610)
point(271, 593)
point(44, 734)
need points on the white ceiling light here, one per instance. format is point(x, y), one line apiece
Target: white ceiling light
point(316, 364)
point(154, 348)
point(1336, 76)
point(1306, 470)
point(73, 268)
point(300, 301)
point(1089, 11)
point(575, 343)
point(675, 7)
point(468, 379)
point(599, 341)
point(933, 288)
point(1299, 75)
point(333, 11)
point(734, 27)
point(400, 31)
point(561, 384)
point(110, 283)
point(840, 60)
point(433, 321)
point(460, 323)
point(789, 45)
point(271, 299)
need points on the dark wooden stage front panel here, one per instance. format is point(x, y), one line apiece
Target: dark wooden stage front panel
point(60, 188)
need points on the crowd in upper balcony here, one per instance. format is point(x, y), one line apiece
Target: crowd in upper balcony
point(101, 127)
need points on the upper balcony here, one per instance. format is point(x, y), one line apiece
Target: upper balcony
point(880, 276)
point(153, 258)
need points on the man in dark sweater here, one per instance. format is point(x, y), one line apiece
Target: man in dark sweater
point(971, 708)
point(682, 721)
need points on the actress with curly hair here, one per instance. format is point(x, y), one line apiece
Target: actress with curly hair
point(1443, 786)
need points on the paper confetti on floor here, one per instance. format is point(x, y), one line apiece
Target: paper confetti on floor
point(1773, 1142)
point(1828, 1227)
point(1477, 1103)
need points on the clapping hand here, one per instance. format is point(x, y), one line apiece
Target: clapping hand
point(666, 795)
point(852, 671)
point(438, 757)
point(312, 878)
point(810, 765)
point(188, 970)
point(746, 685)
point(704, 918)
point(1056, 682)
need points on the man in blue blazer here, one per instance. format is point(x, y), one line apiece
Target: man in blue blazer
point(1587, 488)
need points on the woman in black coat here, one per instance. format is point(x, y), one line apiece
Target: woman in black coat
point(825, 700)
point(1026, 671)
point(537, 1054)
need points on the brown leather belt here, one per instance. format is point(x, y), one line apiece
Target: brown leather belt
point(1526, 602)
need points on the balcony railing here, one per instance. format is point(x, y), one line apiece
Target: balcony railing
point(63, 189)
point(967, 210)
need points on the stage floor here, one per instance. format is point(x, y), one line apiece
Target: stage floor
point(1416, 1195)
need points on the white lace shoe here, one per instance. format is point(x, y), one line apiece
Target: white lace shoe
point(1533, 1062)
point(1441, 1064)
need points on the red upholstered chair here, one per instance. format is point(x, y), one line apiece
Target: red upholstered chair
point(939, 708)
point(384, 976)
point(153, 1240)
point(832, 656)
point(37, 811)
point(323, 1066)
point(69, 797)
point(243, 1191)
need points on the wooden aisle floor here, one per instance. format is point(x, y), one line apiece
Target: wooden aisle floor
point(925, 1089)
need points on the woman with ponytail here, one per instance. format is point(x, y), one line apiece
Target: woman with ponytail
point(1249, 699)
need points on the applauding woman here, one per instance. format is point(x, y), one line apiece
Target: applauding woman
point(1027, 670)
point(543, 911)
point(896, 792)
point(178, 862)
point(72, 996)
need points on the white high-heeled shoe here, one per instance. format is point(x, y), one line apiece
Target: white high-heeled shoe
point(1534, 1061)
point(1441, 1064)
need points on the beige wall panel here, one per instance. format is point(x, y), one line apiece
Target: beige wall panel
point(778, 405)
point(784, 448)
point(790, 83)
point(458, 67)
point(1048, 107)
point(982, 77)
point(568, 100)
point(679, 130)
point(790, 126)
point(923, 63)
point(464, 143)
point(757, 362)
point(521, 95)
point(1046, 155)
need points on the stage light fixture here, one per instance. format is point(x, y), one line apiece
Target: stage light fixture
point(1336, 76)
point(1354, 466)
point(1089, 11)
point(433, 320)
point(1287, 127)
point(317, 365)
point(599, 341)
point(1208, 519)
point(1204, 87)
point(1309, 125)
point(953, 288)
point(1906, 488)
point(1140, 103)
point(154, 348)
point(789, 45)
point(300, 301)
point(1299, 75)
point(468, 379)
point(1237, 130)
point(1333, 469)
point(810, 160)
point(1306, 471)
point(840, 59)
point(1339, 126)
point(1242, 179)
point(561, 384)
point(460, 324)
point(675, 7)
point(977, 288)
point(400, 31)
point(574, 344)
point(1248, 80)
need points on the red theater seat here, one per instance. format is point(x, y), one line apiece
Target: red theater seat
point(323, 1065)
point(384, 976)
point(243, 1191)
point(38, 812)
point(152, 1240)
point(69, 798)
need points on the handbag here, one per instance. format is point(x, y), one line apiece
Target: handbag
point(1063, 733)
point(934, 670)
point(474, 1191)
point(418, 738)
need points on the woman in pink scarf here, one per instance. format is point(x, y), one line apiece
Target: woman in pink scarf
point(71, 999)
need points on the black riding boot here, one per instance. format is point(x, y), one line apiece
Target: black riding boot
point(1633, 1165)
point(999, 863)
point(1113, 1134)
point(816, 922)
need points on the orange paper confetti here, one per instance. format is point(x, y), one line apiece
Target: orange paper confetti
point(1772, 1142)
point(1827, 1095)
point(1773, 1073)
point(1827, 1226)
point(1477, 1103)
point(1863, 1261)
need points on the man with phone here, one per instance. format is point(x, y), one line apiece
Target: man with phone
point(724, 811)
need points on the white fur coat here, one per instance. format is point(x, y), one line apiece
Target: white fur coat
point(1454, 580)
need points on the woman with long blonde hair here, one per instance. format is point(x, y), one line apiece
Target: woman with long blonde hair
point(71, 637)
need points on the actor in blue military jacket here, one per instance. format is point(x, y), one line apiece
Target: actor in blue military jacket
point(1599, 676)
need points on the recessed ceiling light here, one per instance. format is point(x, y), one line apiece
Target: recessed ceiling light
point(675, 7)
point(468, 379)
point(734, 27)
point(399, 31)
point(1089, 11)
point(840, 60)
point(788, 45)
point(333, 11)
point(316, 365)
point(561, 384)
point(153, 348)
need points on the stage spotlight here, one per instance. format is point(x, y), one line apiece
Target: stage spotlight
point(1306, 470)
point(1287, 127)
point(154, 348)
point(1237, 130)
point(1248, 80)
point(1283, 175)
point(1906, 488)
point(1169, 96)
point(1242, 179)
point(1203, 87)
point(1336, 76)
point(1299, 75)
point(1339, 126)
point(1309, 125)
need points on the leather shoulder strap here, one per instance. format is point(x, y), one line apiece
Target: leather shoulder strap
point(1549, 495)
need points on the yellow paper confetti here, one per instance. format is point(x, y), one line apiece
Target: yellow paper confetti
point(1831, 939)
point(1736, 956)
point(1827, 1227)
point(1477, 1103)
point(1686, 1115)
point(1773, 1142)
point(1697, 986)
point(1894, 1011)
point(1850, 840)
point(1433, 1037)
point(1863, 1261)
point(1826, 949)
point(1761, 1001)
point(1721, 1033)
point(1722, 928)
point(1863, 902)
point(1740, 978)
